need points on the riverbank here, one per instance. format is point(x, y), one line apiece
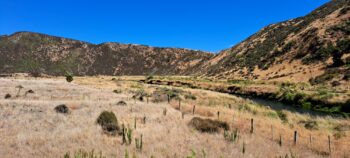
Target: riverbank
point(299, 95)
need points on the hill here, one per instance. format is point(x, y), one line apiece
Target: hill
point(313, 48)
point(39, 53)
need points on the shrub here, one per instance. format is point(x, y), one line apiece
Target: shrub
point(190, 96)
point(321, 54)
point(149, 77)
point(310, 124)
point(307, 105)
point(272, 114)
point(339, 134)
point(289, 93)
point(109, 123)
point(208, 125)
point(323, 78)
point(324, 93)
point(346, 107)
point(282, 115)
point(69, 77)
point(335, 83)
point(248, 108)
point(8, 96)
point(344, 11)
point(30, 91)
point(288, 46)
point(62, 109)
point(139, 94)
point(121, 103)
point(117, 91)
point(35, 73)
point(346, 77)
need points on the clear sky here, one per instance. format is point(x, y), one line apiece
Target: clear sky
point(209, 25)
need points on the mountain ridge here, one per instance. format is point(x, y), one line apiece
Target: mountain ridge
point(29, 42)
point(302, 49)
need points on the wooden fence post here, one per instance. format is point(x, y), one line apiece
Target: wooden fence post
point(271, 132)
point(243, 148)
point(251, 125)
point(194, 108)
point(164, 111)
point(280, 141)
point(295, 137)
point(329, 145)
point(310, 141)
point(135, 122)
point(179, 104)
point(218, 113)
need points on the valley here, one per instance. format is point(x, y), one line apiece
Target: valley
point(282, 92)
point(33, 128)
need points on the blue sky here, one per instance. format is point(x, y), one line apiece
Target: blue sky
point(196, 24)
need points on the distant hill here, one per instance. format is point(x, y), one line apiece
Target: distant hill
point(312, 48)
point(34, 52)
point(300, 49)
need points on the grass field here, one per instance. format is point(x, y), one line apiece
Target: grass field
point(30, 127)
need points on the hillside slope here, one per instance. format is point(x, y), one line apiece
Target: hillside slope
point(314, 48)
point(297, 50)
point(34, 52)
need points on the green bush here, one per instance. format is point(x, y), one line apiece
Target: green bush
point(271, 114)
point(307, 105)
point(69, 77)
point(324, 93)
point(321, 54)
point(109, 123)
point(290, 94)
point(282, 115)
point(310, 124)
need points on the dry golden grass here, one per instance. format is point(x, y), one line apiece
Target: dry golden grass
point(29, 126)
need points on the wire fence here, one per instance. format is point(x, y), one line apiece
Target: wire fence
point(322, 144)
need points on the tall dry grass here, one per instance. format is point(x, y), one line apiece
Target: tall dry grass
point(29, 126)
